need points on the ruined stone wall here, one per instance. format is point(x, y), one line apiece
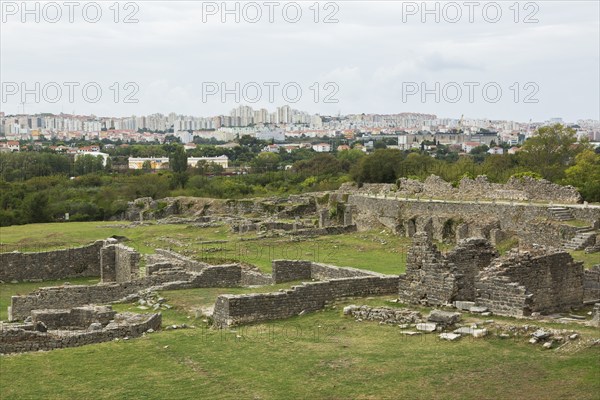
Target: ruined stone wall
point(591, 283)
point(78, 317)
point(74, 262)
point(428, 279)
point(295, 270)
point(519, 189)
point(325, 271)
point(255, 278)
point(290, 270)
point(504, 297)
point(178, 259)
point(21, 340)
point(541, 280)
point(466, 260)
point(226, 275)
point(239, 309)
point(403, 216)
point(77, 295)
point(119, 263)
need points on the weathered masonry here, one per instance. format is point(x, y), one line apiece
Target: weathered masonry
point(540, 280)
point(519, 283)
point(453, 221)
point(64, 297)
point(336, 282)
point(433, 278)
point(59, 328)
point(74, 262)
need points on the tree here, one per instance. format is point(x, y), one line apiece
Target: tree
point(36, 207)
point(147, 166)
point(178, 160)
point(379, 167)
point(266, 162)
point(550, 151)
point(585, 175)
point(87, 164)
point(321, 164)
point(178, 164)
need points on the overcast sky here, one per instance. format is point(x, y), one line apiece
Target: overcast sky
point(380, 55)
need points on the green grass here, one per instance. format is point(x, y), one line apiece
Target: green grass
point(577, 223)
point(589, 260)
point(383, 253)
point(38, 237)
point(321, 355)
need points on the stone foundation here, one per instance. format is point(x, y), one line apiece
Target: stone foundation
point(65, 297)
point(241, 309)
point(21, 338)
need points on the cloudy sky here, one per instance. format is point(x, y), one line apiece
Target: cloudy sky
point(537, 60)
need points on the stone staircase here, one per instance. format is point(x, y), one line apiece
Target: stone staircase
point(585, 237)
point(561, 213)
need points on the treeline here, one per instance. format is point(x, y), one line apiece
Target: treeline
point(43, 187)
point(553, 154)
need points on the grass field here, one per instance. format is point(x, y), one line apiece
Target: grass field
point(381, 252)
point(321, 355)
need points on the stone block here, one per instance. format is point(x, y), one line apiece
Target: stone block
point(426, 327)
point(450, 336)
point(464, 305)
point(444, 317)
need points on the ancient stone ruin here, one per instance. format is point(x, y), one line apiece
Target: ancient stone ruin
point(433, 278)
point(332, 283)
point(540, 279)
point(49, 329)
point(521, 189)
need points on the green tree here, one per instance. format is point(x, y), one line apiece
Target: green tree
point(585, 175)
point(179, 166)
point(266, 162)
point(87, 164)
point(36, 207)
point(551, 151)
point(379, 167)
point(147, 166)
point(321, 164)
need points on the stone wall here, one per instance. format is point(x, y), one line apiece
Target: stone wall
point(591, 283)
point(326, 271)
point(16, 340)
point(295, 270)
point(529, 221)
point(119, 263)
point(178, 259)
point(65, 297)
point(290, 270)
point(519, 189)
point(74, 262)
point(540, 280)
point(255, 278)
point(432, 278)
point(240, 309)
point(78, 317)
